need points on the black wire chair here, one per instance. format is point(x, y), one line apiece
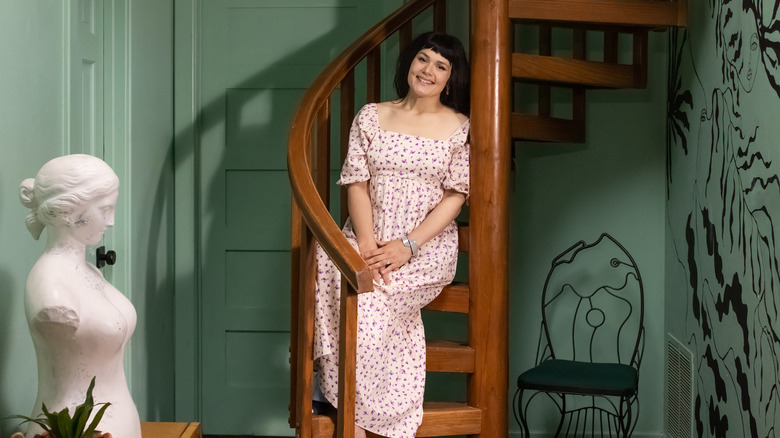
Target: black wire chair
point(590, 346)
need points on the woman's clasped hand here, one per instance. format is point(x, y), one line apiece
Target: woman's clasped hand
point(387, 257)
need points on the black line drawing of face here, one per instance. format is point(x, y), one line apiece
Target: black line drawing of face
point(738, 40)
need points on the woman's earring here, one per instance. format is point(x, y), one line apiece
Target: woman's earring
point(448, 89)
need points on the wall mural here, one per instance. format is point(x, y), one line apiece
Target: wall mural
point(723, 151)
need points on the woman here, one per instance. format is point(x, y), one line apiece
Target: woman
point(408, 177)
point(79, 322)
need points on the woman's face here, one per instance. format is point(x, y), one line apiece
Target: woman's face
point(88, 224)
point(428, 74)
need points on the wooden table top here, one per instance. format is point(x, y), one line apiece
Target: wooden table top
point(170, 430)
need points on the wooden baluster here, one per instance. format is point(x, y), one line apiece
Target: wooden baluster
point(578, 94)
point(374, 75)
point(405, 35)
point(305, 320)
point(295, 292)
point(345, 123)
point(544, 90)
point(610, 47)
point(345, 425)
point(323, 152)
point(640, 59)
point(440, 16)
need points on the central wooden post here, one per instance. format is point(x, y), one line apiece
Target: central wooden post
point(489, 212)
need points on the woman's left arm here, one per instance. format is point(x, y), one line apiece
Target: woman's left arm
point(397, 254)
point(438, 219)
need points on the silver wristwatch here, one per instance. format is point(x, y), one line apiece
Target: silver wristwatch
point(411, 244)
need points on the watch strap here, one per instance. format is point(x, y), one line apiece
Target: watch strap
point(411, 244)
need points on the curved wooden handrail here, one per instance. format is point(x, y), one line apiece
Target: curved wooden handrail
point(308, 200)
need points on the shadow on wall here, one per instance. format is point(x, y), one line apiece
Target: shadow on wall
point(158, 312)
point(238, 129)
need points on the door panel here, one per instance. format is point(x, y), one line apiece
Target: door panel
point(87, 78)
point(257, 58)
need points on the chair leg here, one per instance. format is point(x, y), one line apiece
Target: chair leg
point(624, 412)
point(521, 414)
point(562, 411)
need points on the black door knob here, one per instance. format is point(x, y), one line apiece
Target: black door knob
point(105, 257)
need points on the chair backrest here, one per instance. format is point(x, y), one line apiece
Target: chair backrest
point(593, 305)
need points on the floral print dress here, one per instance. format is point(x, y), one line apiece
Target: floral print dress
point(407, 178)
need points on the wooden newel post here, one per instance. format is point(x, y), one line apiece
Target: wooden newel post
point(489, 211)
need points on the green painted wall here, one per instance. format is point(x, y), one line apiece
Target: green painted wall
point(723, 280)
point(31, 132)
point(614, 183)
point(151, 172)
point(33, 119)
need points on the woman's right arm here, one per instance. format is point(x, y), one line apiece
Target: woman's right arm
point(359, 205)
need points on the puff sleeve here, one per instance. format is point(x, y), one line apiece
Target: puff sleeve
point(364, 128)
point(457, 177)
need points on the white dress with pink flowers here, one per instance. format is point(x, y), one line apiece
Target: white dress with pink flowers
point(407, 178)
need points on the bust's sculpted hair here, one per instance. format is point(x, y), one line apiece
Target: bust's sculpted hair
point(61, 186)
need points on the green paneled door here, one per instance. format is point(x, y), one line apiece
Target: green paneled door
point(86, 77)
point(95, 122)
point(256, 59)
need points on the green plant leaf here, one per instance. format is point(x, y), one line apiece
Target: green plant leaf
point(51, 418)
point(89, 400)
point(80, 418)
point(63, 424)
point(98, 416)
point(84, 410)
point(40, 421)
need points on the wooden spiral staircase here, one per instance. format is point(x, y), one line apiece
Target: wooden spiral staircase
point(483, 357)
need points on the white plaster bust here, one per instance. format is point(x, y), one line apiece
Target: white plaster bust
point(79, 322)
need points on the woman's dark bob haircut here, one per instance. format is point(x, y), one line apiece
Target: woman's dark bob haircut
point(451, 49)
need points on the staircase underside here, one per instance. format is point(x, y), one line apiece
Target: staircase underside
point(574, 72)
point(634, 13)
point(529, 127)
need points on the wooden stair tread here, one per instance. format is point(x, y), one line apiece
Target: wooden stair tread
point(575, 72)
point(635, 13)
point(536, 128)
point(453, 298)
point(439, 419)
point(445, 419)
point(449, 357)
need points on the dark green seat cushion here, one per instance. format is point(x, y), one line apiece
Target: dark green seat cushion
point(573, 377)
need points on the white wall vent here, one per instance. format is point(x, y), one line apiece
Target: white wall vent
point(679, 389)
